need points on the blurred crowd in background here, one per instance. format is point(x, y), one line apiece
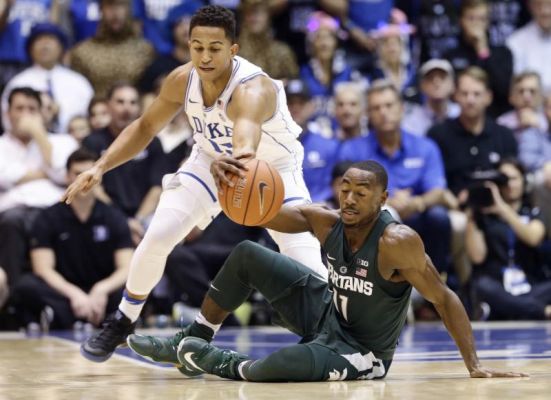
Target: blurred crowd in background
point(453, 97)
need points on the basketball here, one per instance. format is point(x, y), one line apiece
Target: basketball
point(256, 198)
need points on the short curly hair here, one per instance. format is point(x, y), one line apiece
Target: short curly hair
point(215, 16)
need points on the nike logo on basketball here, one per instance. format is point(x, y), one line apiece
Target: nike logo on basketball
point(261, 187)
point(190, 361)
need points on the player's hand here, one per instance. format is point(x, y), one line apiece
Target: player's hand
point(227, 164)
point(83, 183)
point(483, 372)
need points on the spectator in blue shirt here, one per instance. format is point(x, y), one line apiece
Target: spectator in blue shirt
point(417, 183)
point(177, 32)
point(360, 18)
point(84, 16)
point(16, 20)
point(153, 14)
point(327, 65)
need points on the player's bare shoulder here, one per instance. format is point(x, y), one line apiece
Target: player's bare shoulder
point(261, 84)
point(176, 82)
point(257, 95)
point(399, 245)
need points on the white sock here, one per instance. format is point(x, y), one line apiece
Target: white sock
point(131, 307)
point(200, 319)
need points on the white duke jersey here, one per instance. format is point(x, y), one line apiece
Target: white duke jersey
point(213, 129)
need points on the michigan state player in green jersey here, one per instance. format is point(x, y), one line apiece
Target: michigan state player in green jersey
point(350, 325)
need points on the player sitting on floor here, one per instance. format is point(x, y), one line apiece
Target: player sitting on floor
point(349, 325)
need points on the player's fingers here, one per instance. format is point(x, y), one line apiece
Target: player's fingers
point(234, 170)
point(226, 180)
point(481, 374)
point(69, 195)
point(88, 185)
point(236, 162)
point(65, 197)
point(218, 185)
point(511, 375)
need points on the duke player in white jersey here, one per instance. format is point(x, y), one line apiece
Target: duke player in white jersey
point(237, 113)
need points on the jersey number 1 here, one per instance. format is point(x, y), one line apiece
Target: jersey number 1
point(343, 309)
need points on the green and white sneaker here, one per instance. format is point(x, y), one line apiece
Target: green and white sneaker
point(160, 349)
point(200, 356)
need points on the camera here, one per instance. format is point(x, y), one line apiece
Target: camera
point(480, 196)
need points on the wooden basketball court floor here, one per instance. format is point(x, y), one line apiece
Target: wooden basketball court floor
point(427, 366)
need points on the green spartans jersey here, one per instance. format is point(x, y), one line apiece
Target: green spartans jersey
point(370, 309)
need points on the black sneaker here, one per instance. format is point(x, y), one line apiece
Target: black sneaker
point(100, 346)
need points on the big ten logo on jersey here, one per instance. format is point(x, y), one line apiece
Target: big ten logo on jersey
point(218, 135)
point(350, 283)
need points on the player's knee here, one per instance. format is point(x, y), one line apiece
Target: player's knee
point(247, 255)
point(242, 253)
point(246, 249)
point(167, 229)
point(156, 244)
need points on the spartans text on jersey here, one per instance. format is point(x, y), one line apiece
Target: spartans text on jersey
point(350, 283)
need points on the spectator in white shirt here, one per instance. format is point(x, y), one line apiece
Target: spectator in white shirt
point(526, 98)
point(437, 87)
point(70, 90)
point(32, 165)
point(531, 45)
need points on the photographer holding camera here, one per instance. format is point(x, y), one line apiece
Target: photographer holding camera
point(502, 240)
point(470, 142)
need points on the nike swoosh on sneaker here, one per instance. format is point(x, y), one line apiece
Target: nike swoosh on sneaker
point(215, 288)
point(194, 102)
point(187, 357)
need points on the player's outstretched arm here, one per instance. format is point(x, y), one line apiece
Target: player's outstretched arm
point(136, 136)
point(315, 218)
point(402, 248)
point(253, 102)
